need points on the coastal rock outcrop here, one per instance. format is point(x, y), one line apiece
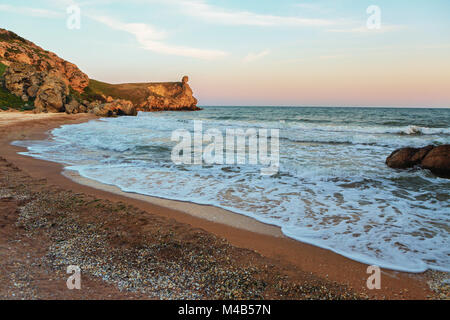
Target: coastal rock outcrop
point(17, 49)
point(407, 157)
point(52, 95)
point(73, 107)
point(23, 80)
point(438, 161)
point(434, 158)
point(117, 107)
point(169, 96)
point(47, 89)
point(47, 83)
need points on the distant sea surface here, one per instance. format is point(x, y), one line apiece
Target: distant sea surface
point(333, 188)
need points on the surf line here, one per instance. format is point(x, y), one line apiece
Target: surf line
point(248, 146)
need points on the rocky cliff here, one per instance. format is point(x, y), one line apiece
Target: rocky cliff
point(148, 96)
point(169, 96)
point(35, 78)
point(17, 49)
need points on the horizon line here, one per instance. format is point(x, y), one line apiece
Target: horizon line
point(320, 106)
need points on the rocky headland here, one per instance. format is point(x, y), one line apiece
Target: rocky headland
point(32, 78)
point(434, 158)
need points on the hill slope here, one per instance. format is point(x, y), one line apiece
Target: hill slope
point(14, 48)
point(151, 96)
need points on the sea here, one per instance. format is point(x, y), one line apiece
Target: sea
point(332, 188)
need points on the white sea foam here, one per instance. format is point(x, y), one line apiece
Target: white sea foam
point(333, 189)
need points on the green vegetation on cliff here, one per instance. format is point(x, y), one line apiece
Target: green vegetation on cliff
point(10, 37)
point(98, 90)
point(8, 100)
point(34, 71)
point(2, 69)
point(104, 88)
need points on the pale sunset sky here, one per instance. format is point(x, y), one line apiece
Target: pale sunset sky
point(255, 52)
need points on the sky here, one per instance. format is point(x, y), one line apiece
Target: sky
point(254, 52)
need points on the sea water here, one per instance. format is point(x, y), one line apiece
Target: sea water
point(332, 189)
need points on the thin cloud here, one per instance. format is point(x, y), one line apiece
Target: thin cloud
point(364, 29)
point(256, 56)
point(148, 37)
point(151, 39)
point(215, 14)
point(142, 31)
point(29, 11)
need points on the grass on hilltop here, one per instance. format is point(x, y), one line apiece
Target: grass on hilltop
point(10, 101)
point(95, 91)
point(98, 90)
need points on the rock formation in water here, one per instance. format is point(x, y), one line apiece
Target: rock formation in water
point(51, 84)
point(169, 96)
point(434, 158)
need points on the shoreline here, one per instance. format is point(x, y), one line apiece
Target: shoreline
point(239, 230)
point(202, 211)
point(211, 213)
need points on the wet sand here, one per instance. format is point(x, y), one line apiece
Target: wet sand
point(291, 256)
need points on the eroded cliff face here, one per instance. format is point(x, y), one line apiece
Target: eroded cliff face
point(42, 80)
point(17, 49)
point(169, 96)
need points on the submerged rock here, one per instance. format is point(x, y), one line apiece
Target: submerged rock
point(438, 161)
point(407, 157)
point(434, 158)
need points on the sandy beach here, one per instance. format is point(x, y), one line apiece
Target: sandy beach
point(135, 246)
